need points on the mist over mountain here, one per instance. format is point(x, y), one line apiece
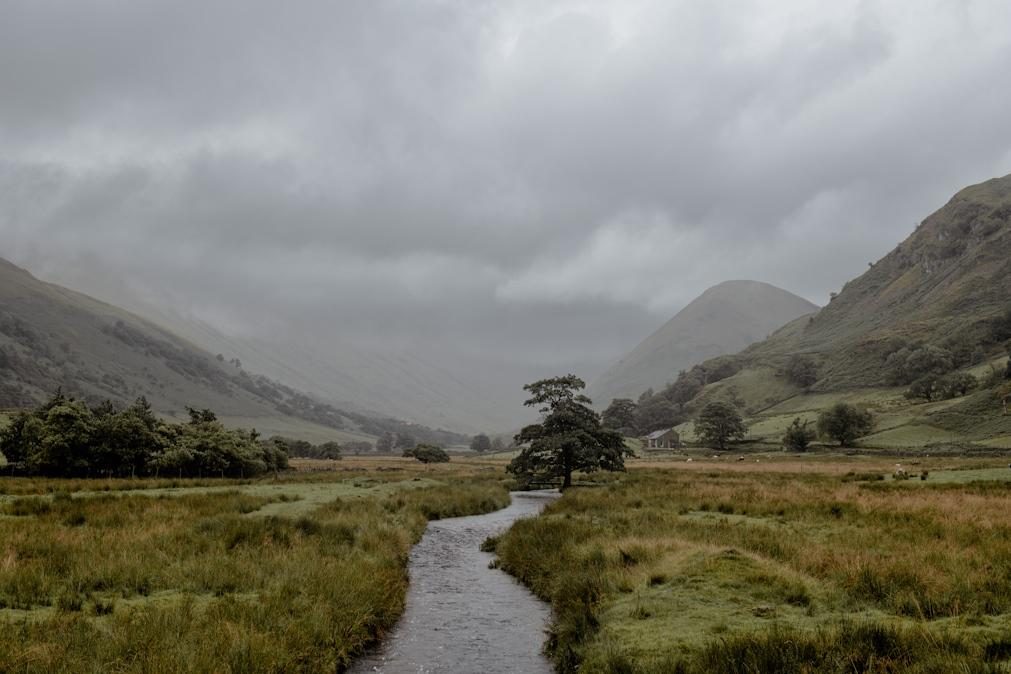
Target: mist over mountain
point(724, 319)
point(466, 394)
point(53, 338)
point(422, 206)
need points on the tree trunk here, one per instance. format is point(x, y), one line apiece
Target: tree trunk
point(567, 469)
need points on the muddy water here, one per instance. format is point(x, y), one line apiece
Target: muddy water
point(462, 616)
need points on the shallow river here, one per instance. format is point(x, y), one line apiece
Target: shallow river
point(461, 616)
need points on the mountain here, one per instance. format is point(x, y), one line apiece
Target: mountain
point(400, 384)
point(942, 287)
point(724, 319)
point(939, 303)
point(52, 337)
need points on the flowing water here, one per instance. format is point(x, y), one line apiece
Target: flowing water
point(461, 616)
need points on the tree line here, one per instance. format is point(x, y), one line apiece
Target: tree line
point(65, 437)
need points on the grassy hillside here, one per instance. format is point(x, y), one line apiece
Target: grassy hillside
point(51, 337)
point(974, 420)
point(943, 286)
point(938, 303)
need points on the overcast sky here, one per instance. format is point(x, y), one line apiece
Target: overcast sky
point(538, 178)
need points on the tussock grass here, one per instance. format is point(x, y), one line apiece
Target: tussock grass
point(192, 582)
point(726, 570)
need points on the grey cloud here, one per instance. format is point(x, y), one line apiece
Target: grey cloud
point(498, 178)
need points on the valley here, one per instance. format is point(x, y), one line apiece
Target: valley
point(742, 553)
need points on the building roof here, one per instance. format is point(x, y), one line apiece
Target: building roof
point(656, 435)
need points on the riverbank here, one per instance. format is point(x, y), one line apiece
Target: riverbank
point(299, 574)
point(790, 567)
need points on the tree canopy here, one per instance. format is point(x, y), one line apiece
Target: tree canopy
point(719, 424)
point(569, 437)
point(66, 438)
point(845, 423)
point(481, 443)
point(620, 416)
point(427, 453)
point(802, 371)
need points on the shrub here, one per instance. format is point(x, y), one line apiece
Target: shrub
point(798, 436)
point(802, 371)
point(428, 454)
point(844, 423)
point(909, 364)
point(933, 387)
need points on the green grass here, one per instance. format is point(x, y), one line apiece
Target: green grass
point(899, 423)
point(285, 499)
point(721, 570)
point(969, 476)
point(912, 435)
point(298, 575)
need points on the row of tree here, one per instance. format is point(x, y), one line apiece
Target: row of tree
point(720, 424)
point(65, 437)
point(572, 437)
point(303, 449)
point(842, 423)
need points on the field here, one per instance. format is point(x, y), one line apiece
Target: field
point(294, 574)
point(818, 564)
point(900, 424)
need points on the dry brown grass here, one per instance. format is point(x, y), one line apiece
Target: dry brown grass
point(198, 580)
point(653, 567)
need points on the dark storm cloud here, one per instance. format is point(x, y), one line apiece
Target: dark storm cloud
point(541, 180)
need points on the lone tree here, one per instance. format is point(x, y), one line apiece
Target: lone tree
point(384, 445)
point(798, 436)
point(329, 450)
point(481, 443)
point(620, 415)
point(845, 423)
point(569, 437)
point(428, 454)
point(719, 424)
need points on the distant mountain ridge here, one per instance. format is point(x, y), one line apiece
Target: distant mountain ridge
point(723, 320)
point(52, 337)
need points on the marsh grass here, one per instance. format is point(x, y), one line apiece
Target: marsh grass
point(729, 571)
point(199, 582)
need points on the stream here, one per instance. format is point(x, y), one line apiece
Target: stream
point(461, 616)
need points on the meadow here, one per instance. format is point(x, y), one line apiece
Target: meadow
point(816, 564)
point(299, 573)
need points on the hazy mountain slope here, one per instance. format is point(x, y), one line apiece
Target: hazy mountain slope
point(724, 319)
point(942, 290)
point(402, 385)
point(52, 337)
point(942, 286)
